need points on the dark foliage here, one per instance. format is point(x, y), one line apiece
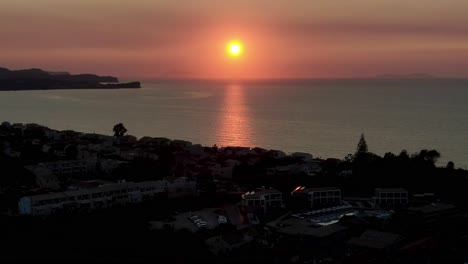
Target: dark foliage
point(119, 130)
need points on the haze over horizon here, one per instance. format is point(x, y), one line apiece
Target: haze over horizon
point(305, 39)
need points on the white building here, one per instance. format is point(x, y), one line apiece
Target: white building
point(318, 197)
point(390, 197)
point(263, 199)
point(104, 196)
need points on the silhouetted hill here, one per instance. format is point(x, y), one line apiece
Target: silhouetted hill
point(3, 70)
point(29, 73)
point(38, 73)
point(37, 79)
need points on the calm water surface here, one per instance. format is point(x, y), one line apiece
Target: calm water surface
point(323, 117)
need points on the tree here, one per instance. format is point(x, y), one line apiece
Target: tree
point(450, 165)
point(119, 130)
point(404, 155)
point(433, 156)
point(362, 146)
point(430, 156)
point(349, 158)
point(389, 156)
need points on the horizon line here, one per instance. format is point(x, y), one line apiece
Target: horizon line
point(287, 79)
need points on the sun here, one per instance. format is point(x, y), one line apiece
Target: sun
point(234, 48)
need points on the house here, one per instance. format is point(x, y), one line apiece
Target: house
point(262, 200)
point(390, 197)
point(317, 197)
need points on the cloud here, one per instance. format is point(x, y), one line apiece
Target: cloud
point(363, 29)
point(46, 31)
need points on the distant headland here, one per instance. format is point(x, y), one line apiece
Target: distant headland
point(406, 76)
point(37, 79)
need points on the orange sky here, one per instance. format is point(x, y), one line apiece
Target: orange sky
point(281, 39)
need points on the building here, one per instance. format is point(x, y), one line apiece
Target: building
point(295, 169)
point(423, 198)
point(317, 197)
point(44, 177)
point(429, 215)
point(64, 169)
point(182, 144)
point(262, 200)
point(106, 167)
point(275, 154)
point(181, 187)
point(300, 237)
point(228, 242)
point(104, 196)
point(390, 197)
point(374, 243)
point(307, 157)
point(224, 171)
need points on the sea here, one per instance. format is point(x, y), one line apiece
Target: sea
point(322, 117)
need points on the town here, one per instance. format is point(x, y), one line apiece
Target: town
point(224, 204)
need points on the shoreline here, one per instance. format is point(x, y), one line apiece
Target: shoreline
point(74, 86)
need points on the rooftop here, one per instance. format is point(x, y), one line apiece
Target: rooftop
point(302, 190)
point(262, 192)
point(293, 226)
point(375, 239)
point(321, 189)
point(390, 190)
point(432, 208)
point(99, 189)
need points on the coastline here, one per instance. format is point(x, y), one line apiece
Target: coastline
point(37, 79)
point(34, 85)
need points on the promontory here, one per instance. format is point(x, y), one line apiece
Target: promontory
point(37, 79)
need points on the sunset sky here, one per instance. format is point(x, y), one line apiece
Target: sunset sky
point(280, 39)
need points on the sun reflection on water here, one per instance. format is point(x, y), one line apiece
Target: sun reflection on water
point(235, 127)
